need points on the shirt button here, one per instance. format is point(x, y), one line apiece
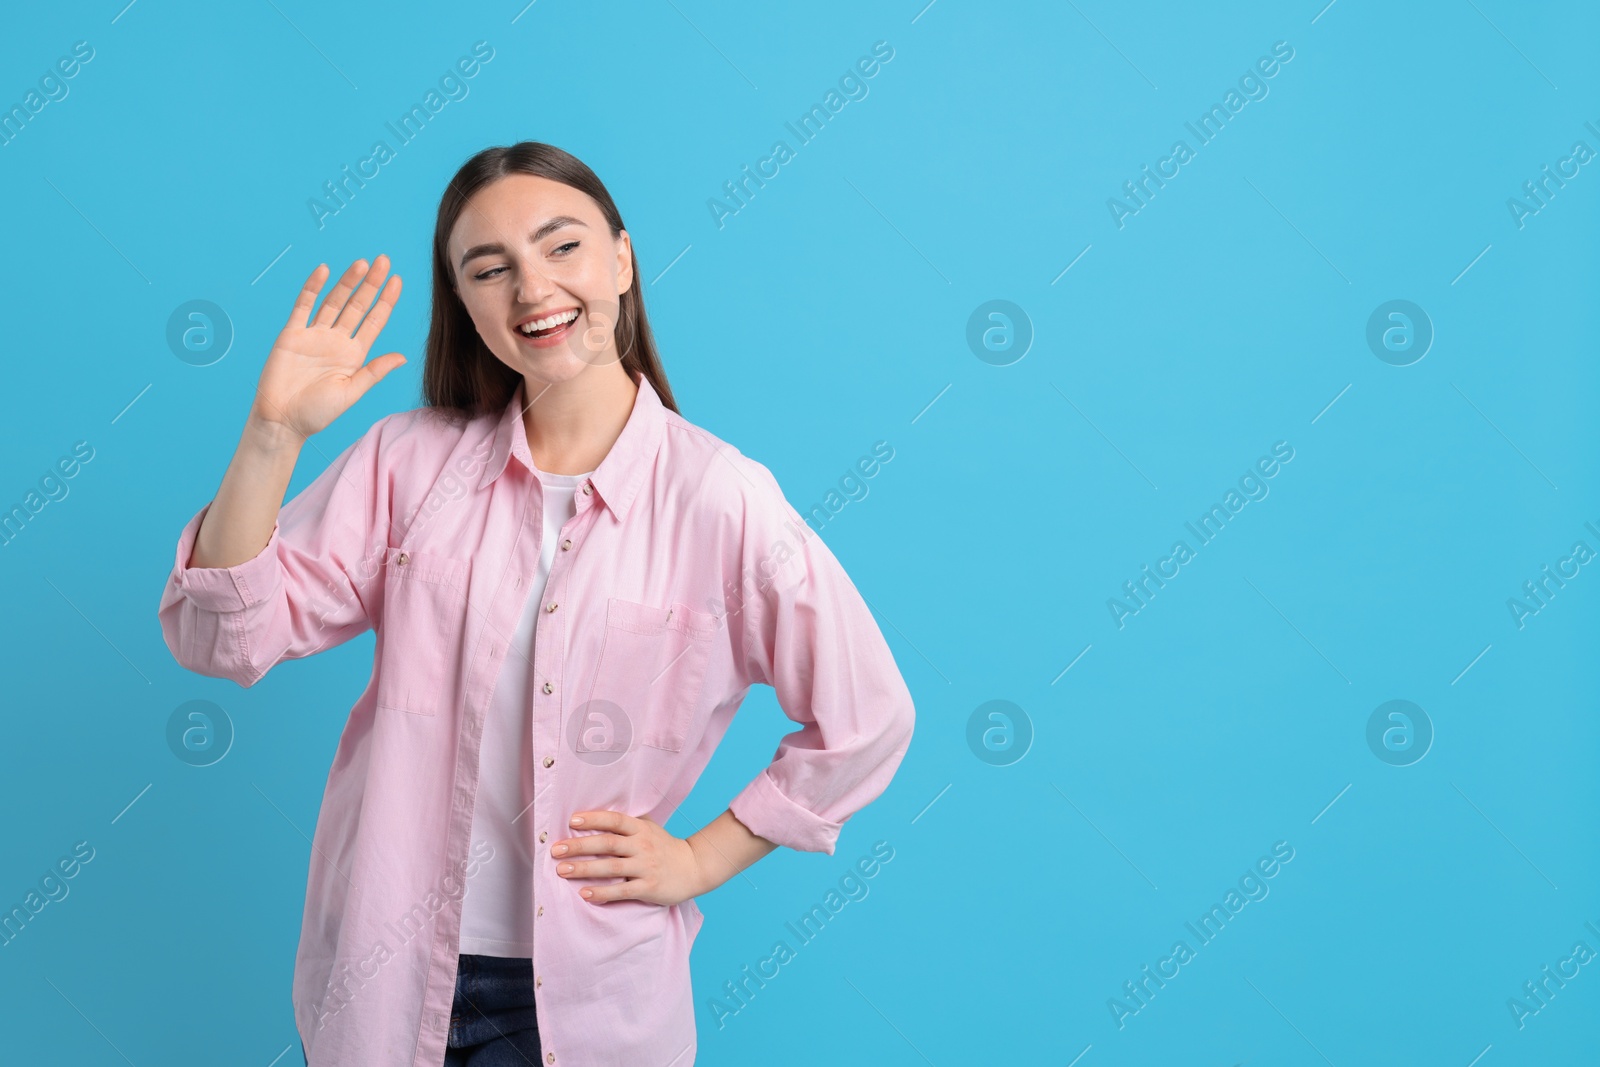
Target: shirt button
point(542, 835)
point(566, 544)
point(549, 1057)
point(550, 606)
point(548, 688)
point(403, 558)
point(540, 911)
point(586, 487)
point(549, 760)
point(538, 981)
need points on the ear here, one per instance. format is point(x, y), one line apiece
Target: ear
point(624, 262)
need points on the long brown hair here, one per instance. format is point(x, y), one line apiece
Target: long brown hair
point(460, 376)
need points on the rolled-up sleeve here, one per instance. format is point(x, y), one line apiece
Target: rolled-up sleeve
point(309, 588)
point(809, 635)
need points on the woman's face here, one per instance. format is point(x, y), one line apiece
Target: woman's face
point(530, 250)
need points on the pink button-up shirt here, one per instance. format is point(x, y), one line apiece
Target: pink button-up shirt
point(684, 578)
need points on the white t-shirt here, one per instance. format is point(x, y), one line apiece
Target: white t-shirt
point(497, 910)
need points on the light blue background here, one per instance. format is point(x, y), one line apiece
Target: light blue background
point(828, 314)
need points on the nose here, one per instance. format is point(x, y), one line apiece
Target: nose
point(532, 285)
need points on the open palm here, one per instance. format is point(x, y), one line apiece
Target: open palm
point(317, 367)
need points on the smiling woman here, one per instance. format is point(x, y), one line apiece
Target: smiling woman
point(569, 275)
point(573, 588)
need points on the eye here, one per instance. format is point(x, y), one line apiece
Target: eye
point(569, 244)
point(488, 273)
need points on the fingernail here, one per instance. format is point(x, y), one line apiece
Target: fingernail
point(560, 850)
point(577, 820)
point(565, 868)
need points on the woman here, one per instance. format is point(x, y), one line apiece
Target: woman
point(573, 588)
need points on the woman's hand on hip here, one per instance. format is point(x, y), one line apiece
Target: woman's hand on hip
point(659, 867)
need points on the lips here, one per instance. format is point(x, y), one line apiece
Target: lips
point(554, 322)
point(550, 335)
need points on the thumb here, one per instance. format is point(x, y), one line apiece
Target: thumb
point(375, 370)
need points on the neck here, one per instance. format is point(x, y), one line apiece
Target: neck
point(571, 425)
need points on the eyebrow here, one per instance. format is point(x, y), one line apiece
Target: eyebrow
point(495, 248)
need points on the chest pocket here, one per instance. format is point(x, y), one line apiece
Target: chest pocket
point(653, 667)
point(424, 615)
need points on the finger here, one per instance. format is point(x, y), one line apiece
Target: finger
point(595, 845)
point(374, 372)
point(380, 312)
point(351, 315)
point(615, 821)
point(307, 298)
point(601, 894)
point(339, 293)
point(607, 868)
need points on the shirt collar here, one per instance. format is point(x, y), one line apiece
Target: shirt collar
point(619, 475)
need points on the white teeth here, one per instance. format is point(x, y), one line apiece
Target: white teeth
point(545, 323)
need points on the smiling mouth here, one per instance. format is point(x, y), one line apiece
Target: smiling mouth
point(549, 325)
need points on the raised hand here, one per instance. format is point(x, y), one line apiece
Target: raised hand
point(317, 367)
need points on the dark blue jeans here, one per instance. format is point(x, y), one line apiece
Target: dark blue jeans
point(492, 1021)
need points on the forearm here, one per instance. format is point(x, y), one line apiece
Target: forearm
point(241, 516)
point(724, 847)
